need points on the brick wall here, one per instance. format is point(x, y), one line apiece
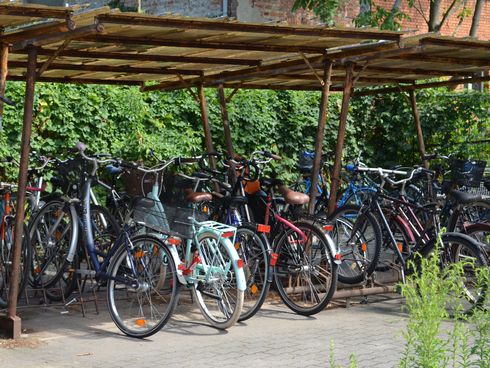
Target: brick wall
point(280, 10)
point(193, 8)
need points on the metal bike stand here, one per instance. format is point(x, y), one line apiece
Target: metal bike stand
point(85, 275)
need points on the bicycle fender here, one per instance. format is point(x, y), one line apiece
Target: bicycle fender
point(73, 245)
point(240, 275)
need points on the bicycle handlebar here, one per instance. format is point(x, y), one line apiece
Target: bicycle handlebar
point(7, 101)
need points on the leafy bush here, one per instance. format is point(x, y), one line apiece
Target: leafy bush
point(127, 123)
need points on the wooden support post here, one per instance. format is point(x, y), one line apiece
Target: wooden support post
point(418, 127)
point(332, 201)
point(226, 122)
point(4, 57)
point(320, 134)
point(205, 119)
point(15, 326)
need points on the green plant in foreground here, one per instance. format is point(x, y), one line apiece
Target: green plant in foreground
point(431, 340)
point(331, 359)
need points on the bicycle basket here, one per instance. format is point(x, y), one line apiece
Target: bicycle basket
point(305, 162)
point(468, 172)
point(68, 176)
point(137, 183)
point(149, 213)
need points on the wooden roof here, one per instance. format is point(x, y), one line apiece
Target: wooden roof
point(169, 52)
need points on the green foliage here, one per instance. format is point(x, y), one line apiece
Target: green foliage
point(323, 9)
point(430, 342)
point(127, 123)
point(380, 17)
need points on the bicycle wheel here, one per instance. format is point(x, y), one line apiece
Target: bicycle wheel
point(358, 237)
point(305, 274)
point(216, 289)
point(6, 259)
point(142, 289)
point(252, 249)
point(460, 248)
point(481, 233)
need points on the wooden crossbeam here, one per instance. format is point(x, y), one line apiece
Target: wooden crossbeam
point(36, 31)
point(150, 57)
point(204, 44)
point(104, 68)
point(225, 26)
point(50, 38)
point(451, 82)
point(35, 12)
point(79, 80)
point(416, 71)
point(464, 44)
point(242, 74)
point(376, 80)
point(446, 60)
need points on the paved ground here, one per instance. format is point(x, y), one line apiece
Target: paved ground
point(276, 337)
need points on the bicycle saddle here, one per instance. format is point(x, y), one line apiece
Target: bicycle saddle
point(292, 197)
point(464, 198)
point(270, 182)
point(198, 197)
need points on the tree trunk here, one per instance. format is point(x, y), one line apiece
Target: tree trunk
point(434, 15)
point(476, 18)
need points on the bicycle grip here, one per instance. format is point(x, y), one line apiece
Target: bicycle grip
point(350, 167)
point(80, 147)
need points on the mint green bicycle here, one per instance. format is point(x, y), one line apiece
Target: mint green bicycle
point(206, 260)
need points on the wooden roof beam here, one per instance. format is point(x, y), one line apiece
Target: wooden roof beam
point(151, 57)
point(340, 78)
point(226, 26)
point(368, 57)
point(36, 31)
point(416, 71)
point(203, 44)
point(36, 11)
point(51, 38)
point(102, 68)
point(464, 44)
point(117, 82)
point(451, 82)
point(246, 73)
point(445, 60)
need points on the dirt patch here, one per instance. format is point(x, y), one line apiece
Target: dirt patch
point(25, 342)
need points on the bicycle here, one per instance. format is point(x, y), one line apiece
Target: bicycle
point(208, 263)
point(7, 231)
point(418, 238)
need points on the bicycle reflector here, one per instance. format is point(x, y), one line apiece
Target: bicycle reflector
point(174, 241)
point(140, 322)
point(274, 257)
point(228, 234)
point(239, 263)
point(338, 257)
point(261, 228)
point(328, 227)
point(400, 247)
point(364, 247)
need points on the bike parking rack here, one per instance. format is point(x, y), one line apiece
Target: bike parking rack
point(292, 58)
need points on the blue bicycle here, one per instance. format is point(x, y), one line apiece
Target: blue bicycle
point(358, 188)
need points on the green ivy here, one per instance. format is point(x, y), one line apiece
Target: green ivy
point(127, 123)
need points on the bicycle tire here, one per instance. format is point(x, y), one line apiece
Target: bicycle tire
point(51, 233)
point(134, 310)
point(219, 299)
point(297, 266)
point(456, 248)
point(6, 254)
point(360, 251)
point(481, 233)
point(252, 249)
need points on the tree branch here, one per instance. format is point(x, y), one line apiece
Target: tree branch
point(452, 8)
